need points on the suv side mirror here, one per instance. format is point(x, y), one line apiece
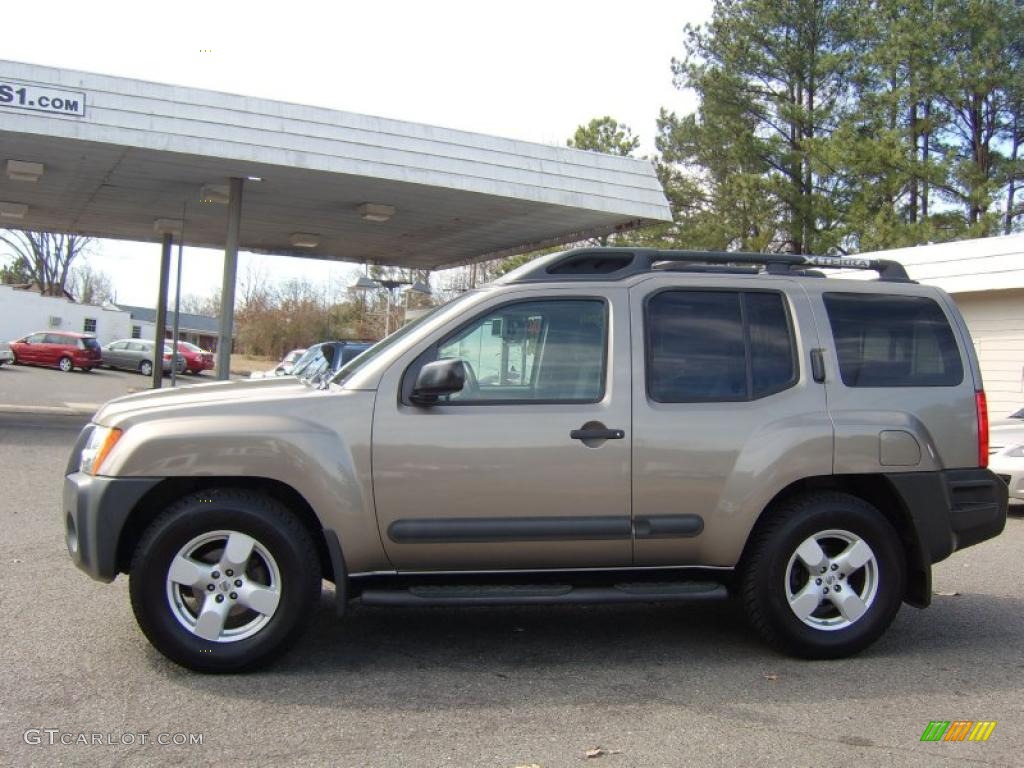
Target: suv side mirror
point(441, 377)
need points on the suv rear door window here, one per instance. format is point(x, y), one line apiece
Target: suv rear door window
point(714, 346)
point(893, 341)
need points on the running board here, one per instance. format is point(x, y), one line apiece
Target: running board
point(546, 594)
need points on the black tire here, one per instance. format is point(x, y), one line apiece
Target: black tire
point(275, 528)
point(146, 368)
point(768, 576)
point(66, 364)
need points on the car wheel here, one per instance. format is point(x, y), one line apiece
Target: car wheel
point(824, 576)
point(66, 364)
point(146, 368)
point(224, 580)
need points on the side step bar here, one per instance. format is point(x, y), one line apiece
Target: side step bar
point(546, 594)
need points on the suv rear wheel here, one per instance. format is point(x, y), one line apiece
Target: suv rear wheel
point(224, 580)
point(824, 577)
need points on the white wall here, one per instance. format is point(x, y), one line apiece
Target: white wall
point(989, 263)
point(24, 312)
point(996, 321)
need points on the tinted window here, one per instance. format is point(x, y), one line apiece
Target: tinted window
point(530, 351)
point(56, 338)
point(717, 346)
point(893, 341)
point(772, 356)
point(90, 343)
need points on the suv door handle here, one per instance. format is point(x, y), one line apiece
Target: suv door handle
point(597, 434)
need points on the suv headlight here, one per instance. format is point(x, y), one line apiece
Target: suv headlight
point(1016, 452)
point(101, 442)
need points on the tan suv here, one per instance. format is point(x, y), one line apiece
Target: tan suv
point(609, 425)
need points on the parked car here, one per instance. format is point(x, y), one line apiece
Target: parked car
point(283, 368)
point(6, 356)
point(196, 358)
point(1015, 419)
point(58, 349)
point(324, 359)
point(137, 355)
point(1006, 459)
point(680, 426)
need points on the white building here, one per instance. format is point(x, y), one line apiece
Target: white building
point(986, 278)
point(23, 312)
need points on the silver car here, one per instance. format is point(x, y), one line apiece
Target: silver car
point(137, 355)
point(1006, 458)
point(6, 356)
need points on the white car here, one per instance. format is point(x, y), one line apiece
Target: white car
point(1006, 458)
point(281, 369)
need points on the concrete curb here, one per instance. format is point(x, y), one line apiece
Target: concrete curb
point(52, 410)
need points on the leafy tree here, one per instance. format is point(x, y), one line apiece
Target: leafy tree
point(14, 272)
point(607, 135)
point(772, 79)
point(978, 83)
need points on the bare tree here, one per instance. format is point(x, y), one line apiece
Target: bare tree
point(91, 286)
point(46, 256)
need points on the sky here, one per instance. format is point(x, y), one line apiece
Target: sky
point(526, 70)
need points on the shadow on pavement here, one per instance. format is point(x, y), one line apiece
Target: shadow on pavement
point(420, 659)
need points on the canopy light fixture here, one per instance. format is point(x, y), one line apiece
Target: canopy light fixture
point(375, 211)
point(364, 283)
point(304, 240)
point(13, 210)
point(214, 193)
point(254, 178)
point(420, 287)
point(23, 170)
point(167, 226)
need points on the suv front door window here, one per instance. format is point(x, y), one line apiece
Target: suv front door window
point(533, 351)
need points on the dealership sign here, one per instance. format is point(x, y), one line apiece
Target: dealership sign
point(41, 98)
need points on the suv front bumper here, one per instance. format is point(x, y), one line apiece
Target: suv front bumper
point(95, 510)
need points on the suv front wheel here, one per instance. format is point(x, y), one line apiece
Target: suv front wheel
point(824, 577)
point(224, 580)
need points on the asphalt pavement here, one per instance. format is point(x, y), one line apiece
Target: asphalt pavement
point(649, 685)
point(31, 389)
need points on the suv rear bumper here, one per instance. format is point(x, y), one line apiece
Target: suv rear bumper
point(948, 510)
point(952, 509)
point(95, 510)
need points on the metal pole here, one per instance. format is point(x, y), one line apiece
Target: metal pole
point(177, 309)
point(227, 288)
point(161, 311)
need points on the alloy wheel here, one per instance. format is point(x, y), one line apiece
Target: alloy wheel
point(831, 580)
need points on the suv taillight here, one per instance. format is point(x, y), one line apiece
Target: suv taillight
point(982, 406)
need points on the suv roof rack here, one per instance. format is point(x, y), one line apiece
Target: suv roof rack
point(619, 263)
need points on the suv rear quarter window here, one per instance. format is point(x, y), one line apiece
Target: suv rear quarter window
point(893, 341)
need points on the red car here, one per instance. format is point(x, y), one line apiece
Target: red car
point(60, 349)
point(197, 360)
